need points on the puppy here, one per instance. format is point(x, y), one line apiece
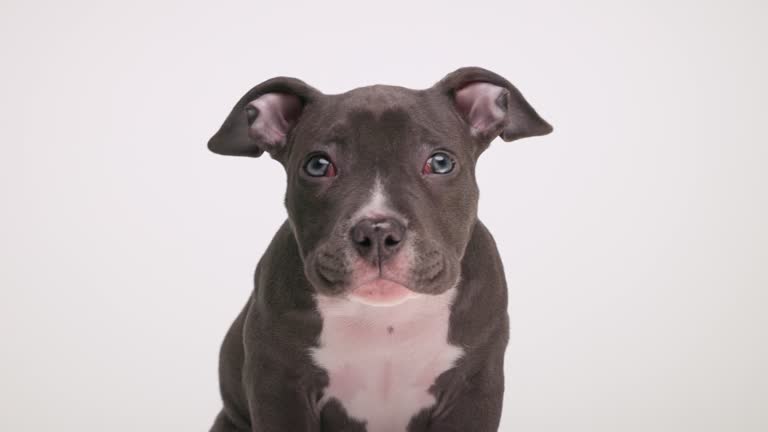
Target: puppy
point(380, 305)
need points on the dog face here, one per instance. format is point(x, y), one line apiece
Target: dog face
point(381, 191)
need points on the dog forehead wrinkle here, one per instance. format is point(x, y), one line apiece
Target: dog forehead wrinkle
point(338, 131)
point(380, 98)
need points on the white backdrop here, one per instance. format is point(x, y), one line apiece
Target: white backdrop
point(634, 237)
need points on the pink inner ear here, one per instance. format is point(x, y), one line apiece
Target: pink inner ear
point(278, 113)
point(477, 102)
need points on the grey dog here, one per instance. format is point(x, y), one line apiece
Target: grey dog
point(381, 304)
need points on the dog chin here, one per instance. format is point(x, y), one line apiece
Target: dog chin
point(382, 293)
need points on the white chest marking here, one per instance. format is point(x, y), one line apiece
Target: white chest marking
point(381, 361)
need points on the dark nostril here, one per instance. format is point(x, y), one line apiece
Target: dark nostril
point(390, 241)
point(361, 236)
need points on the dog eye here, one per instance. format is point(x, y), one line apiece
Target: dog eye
point(320, 166)
point(439, 163)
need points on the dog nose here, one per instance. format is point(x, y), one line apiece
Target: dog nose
point(377, 238)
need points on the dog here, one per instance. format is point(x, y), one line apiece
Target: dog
point(381, 304)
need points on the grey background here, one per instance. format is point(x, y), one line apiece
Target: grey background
point(634, 237)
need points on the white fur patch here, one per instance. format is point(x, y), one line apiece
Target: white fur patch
point(382, 361)
point(376, 207)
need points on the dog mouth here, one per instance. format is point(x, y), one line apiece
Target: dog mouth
point(382, 293)
point(386, 284)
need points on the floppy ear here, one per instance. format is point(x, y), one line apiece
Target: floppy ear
point(263, 118)
point(491, 105)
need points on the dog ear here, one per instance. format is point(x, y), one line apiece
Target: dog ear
point(262, 119)
point(491, 105)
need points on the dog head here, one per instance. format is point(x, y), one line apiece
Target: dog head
point(381, 191)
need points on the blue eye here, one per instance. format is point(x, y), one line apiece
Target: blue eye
point(439, 163)
point(320, 166)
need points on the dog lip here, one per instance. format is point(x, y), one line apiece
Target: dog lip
point(382, 292)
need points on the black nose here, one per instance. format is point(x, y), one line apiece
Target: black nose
point(377, 239)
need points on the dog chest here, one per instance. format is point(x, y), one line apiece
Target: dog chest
point(381, 361)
